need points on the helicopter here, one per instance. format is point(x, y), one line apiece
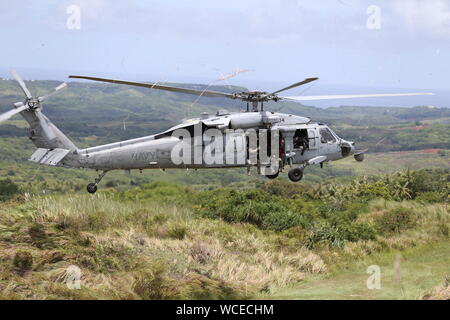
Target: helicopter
point(270, 141)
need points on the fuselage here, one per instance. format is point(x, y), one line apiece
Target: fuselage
point(299, 140)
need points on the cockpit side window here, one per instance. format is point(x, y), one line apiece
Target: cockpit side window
point(326, 136)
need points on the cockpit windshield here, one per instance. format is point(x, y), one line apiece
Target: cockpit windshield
point(326, 136)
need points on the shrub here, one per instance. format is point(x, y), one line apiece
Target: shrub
point(38, 235)
point(204, 253)
point(326, 232)
point(442, 153)
point(284, 188)
point(153, 284)
point(250, 206)
point(395, 221)
point(431, 197)
point(444, 230)
point(160, 191)
point(200, 287)
point(177, 231)
point(8, 189)
point(375, 190)
point(98, 220)
point(336, 234)
point(429, 181)
point(111, 184)
point(23, 261)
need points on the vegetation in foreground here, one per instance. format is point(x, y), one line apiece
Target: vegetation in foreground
point(404, 274)
point(165, 241)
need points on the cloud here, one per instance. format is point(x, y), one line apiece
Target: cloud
point(430, 16)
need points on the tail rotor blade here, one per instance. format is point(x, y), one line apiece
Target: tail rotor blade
point(61, 86)
point(21, 83)
point(5, 116)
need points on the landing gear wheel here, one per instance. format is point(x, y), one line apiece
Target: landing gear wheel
point(91, 188)
point(273, 176)
point(295, 174)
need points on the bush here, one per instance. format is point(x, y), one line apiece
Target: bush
point(431, 197)
point(333, 224)
point(200, 287)
point(429, 181)
point(38, 235)
point(154, 285)
point(177, 231)
point(8, 189)
point(379, 189)
point(159, 191)
point(250, 206)
point(444, 230)
point(23, 261)
point(395, 221)
point(336, 234)
point(111, 184)
point(284, 188)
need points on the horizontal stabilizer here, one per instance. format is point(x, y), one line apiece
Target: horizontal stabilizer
point(49, 157)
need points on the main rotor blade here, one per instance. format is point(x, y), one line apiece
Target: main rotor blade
point(5, 116)
point(308, 80)
point(353, 96)
point(61, 86)
point(21, 83)
point(159, 87)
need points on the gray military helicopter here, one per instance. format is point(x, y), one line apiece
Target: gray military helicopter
point(299, 141)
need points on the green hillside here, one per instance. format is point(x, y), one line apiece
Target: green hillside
point(217, 233)
point(165, 241)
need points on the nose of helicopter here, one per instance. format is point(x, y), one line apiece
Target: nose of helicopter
point(352, 145)
point(347, 148)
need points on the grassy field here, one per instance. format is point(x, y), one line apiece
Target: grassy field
point(388, 162)
point(405, 274)
point(279, 240)
point(136, 250)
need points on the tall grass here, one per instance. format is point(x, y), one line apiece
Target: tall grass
point(142, 244)
point(141, 250)
point(100, 212)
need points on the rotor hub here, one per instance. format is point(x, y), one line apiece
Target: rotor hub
point(256, 96)
point(33, 104)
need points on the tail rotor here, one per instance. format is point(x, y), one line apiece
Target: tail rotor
point(30, 103)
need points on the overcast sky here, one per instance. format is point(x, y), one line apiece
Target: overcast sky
point(281, 41)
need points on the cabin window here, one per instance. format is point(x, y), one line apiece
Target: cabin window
point(312, 138)
point(301, 140)
point(326, 136)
